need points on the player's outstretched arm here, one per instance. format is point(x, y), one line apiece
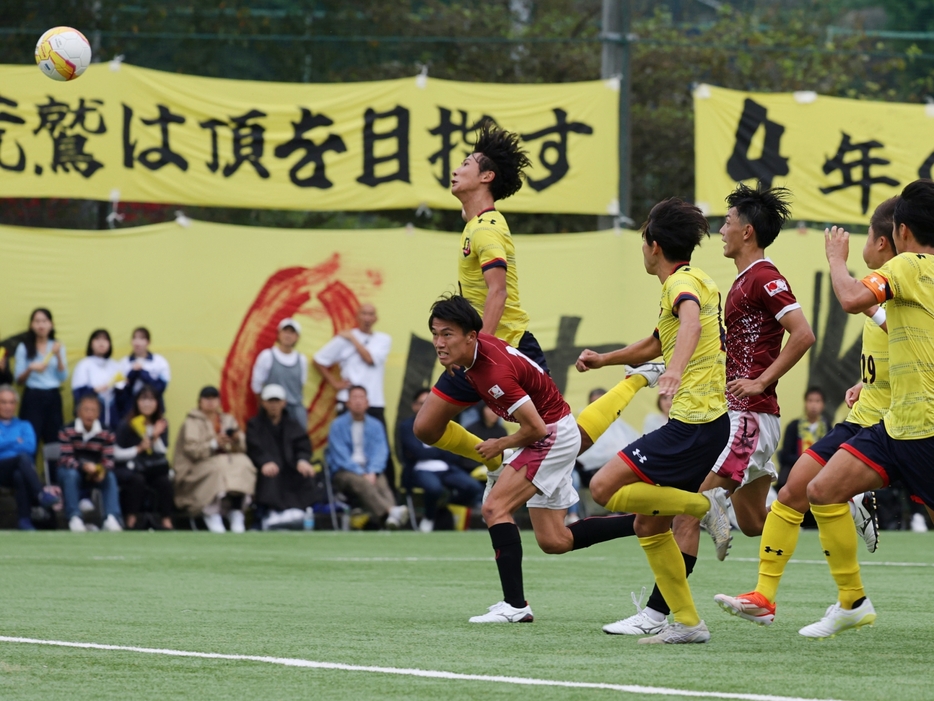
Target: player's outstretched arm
point(800, 338)
point(634, 354)
point(853, 295)
point(531, 428)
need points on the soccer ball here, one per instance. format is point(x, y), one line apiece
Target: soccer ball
point(63, 53)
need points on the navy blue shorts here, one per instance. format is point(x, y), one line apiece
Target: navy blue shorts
point(678, 454)
point(457, 389)
point(830, 444)
point(911, 461)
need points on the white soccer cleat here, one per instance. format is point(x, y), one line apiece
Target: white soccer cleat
point(237, 521)
point(837, 619)
point(680, 634)
point(111, 524)
point(716, 521)
point(76, 525)
point(650, 371)
point(642, 623)
point(866, 518)
point(501, 612)
point(215, 523)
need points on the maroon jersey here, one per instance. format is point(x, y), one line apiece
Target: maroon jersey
point(506, 379)
point(758, 299)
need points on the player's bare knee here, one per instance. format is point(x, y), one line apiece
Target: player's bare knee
point(555, 545)
point(793, 499)
point(427, 430)
point(493, 513)
point(753, 528)
point(646, 526)
point(817, 493)
point(601, 490)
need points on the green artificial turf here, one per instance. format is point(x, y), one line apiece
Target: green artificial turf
point(403, 600)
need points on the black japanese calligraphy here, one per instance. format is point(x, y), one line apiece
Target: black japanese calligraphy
point(20, 163)
point(557, 163)
point(864, 161)
point(67, 146)
point(248, 143)
point(448, 128)
point(400, 134)
point(771, 163)
point(158, 156)
point(314, 153)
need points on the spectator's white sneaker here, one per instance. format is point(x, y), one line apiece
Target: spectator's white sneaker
point(76, 525)
point(426, 526)
point(398, 517)
point(716, 521)
point(642, 623)
point(215, 523)
point(111, 524)
point(837, 619)
point(570, 519)
point(919, 524)
point(501, 612)
point(679, 634)
point(650, 371)
point(866, 518)
point(236, 521)
point(86, 506)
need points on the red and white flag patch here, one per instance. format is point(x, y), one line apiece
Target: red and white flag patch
point(776, 286)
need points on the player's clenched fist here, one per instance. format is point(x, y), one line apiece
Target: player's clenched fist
point(589, 360)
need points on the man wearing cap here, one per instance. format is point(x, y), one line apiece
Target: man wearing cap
point(284, 366)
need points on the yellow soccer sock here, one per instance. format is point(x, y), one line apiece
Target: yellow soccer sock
point(838, 539)
point(667, 564)
point(460, 441)
point(652, 500)
point(596, 418)
point(779, 539)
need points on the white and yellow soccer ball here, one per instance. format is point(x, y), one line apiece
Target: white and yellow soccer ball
point(63, 53)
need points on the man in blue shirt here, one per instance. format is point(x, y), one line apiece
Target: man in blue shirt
point(17, 447)
point(356, 456)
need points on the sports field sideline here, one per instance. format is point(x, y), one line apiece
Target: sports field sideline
point(384, 616)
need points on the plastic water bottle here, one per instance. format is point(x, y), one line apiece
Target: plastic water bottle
point(309, 523)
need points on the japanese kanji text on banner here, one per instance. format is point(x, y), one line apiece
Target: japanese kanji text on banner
point(133, 134)
point(839, 157)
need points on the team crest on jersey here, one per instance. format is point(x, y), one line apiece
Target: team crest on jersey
point(466, 249)
point(776, 286)
point(496, 392)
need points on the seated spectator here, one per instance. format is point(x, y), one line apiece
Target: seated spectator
point(141, 368)
point(356, 456)
point(98, 374)
point(801, 434)
point(489, 426)
point(284, 366)
point(141, 461)
point(433, 470)
point(6, 377)
point(656, 421)
point(17, 448)
point(87, 461)
point(280, 449)
point(210, 463)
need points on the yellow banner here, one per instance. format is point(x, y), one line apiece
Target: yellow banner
point(138, 135)
point(212, 296)
point(840, 157)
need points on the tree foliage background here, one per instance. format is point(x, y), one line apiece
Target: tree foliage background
point(764, 45)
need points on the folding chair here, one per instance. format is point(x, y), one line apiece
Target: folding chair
point(334, 505)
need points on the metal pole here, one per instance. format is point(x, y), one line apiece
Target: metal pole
point(615, 64)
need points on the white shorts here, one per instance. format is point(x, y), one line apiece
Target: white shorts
point(549, 465)
point(754, 438)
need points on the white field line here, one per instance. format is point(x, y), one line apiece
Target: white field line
point(424, 673)
point(863, 563)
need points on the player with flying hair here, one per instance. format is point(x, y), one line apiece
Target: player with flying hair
point(658, 475)
point(546, 445)
point(488, 278)
point(868, 401)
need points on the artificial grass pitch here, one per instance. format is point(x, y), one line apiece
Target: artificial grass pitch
point(402, 600)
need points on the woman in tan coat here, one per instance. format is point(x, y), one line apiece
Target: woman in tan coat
point(210, 463)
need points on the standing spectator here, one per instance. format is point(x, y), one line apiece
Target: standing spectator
point(356, 456)
point(17, 448)
point(280, 449)
point(282, 365)
point(142, 368)
point(655, 421)
point(88, 461)
point(210, 463)
point(433, 470)
point(801, 434)
point(41, 365)
point(98, 374)
point(141, 462)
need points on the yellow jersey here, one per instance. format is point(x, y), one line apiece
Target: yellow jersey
point(907, 282)
point(876, 395)
point(701, 398)
point(485, 244)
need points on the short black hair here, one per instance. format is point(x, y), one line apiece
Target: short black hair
point(85, 396)
point(100, 332)
point(143, 331)
point(501, 152)
point(814, 389)
point(883, 220)
point(419, 392)
point(353, 387)
point(915, 209)
point(765, 209)
point(458, 311)
point(678, 227)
